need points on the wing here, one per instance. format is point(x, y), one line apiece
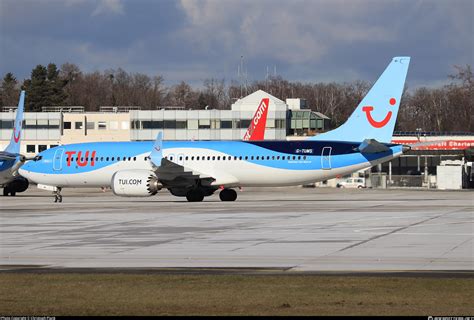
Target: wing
point(173, 174)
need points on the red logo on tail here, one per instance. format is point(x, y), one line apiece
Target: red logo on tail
point(15, 137)
point(256, 130)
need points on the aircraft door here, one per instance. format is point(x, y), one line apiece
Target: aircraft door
point(326, 158)
point(58, 159)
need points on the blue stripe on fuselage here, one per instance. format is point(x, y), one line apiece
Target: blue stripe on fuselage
point(342, 153)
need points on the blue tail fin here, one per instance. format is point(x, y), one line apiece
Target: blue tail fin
point(376, 115)
point(14, 146)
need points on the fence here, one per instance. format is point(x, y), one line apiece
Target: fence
point(400, 181)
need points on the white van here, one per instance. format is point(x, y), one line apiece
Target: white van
point(352, 183)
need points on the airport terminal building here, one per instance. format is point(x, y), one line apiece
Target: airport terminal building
point(64, 125)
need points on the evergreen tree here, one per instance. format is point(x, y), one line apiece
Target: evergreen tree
point(45, 88)
point(9, 91)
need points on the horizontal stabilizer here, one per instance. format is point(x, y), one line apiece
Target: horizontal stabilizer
point(5, 156)
point(372, 146)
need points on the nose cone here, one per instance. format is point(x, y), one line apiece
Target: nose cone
point(26, 169)
point(24, 172)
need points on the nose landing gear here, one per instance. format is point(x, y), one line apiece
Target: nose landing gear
point(57, 195)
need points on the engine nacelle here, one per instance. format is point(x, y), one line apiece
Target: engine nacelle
point(19, 184)
point(135, 183)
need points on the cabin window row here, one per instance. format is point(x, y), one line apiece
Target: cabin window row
point(224, 158)
point(195, 158)
point(97, 159)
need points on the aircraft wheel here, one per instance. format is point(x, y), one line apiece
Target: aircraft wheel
point(228, 195)
point(13, 193)
point(195, 195)
point(5, 192)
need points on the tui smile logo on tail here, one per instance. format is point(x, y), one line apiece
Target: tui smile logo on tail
point(372, 121)
point(15, 137)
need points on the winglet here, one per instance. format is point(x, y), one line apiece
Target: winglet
point(14, 146)
point(157, 153)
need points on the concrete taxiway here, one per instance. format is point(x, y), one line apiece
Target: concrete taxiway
point(292, 229)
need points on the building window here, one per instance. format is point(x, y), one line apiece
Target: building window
point(151, 125)
point(42, 124)
point(193, 124)
point(245, 123)
point(204, 124)
point(31, 148)
point(78, 125)
point(6, 124)
point(180, 124)
point(102, 125)
point(67, 125)
point(226, 124)
point(90, 125)
point(125, 125)
point(169, 124)
point(30, 124)
point(53, 146)
point(42, 147)
point(53, 124)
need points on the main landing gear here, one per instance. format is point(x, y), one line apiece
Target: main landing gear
point(7, 191)
point(228, 195)
point(195, 195)
point(57, 195)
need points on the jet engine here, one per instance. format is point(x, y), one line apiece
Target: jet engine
point(135, 183)
point(19, 184)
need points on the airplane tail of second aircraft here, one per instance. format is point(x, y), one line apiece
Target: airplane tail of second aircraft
point(14, 146)
point(376, 114)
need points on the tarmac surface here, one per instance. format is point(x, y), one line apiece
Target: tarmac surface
point(275, 229)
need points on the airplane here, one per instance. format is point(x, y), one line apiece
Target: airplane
point(197, 169)
point(11, 159)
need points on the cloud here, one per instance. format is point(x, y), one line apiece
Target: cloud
point(108, 7)
point(291, 31)
point(191, 40)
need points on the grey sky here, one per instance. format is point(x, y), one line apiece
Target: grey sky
point(191, 40)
